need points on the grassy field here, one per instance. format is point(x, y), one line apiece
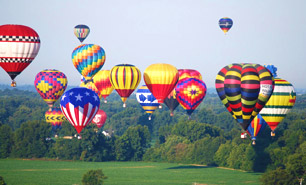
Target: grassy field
point(34, 172)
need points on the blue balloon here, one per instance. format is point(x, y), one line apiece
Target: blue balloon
point(80, 105)
point(146, 99)
point(257, 125)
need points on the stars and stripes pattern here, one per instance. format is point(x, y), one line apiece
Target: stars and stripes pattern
point(244, 89)
point(88, 59)
point(80, 105)
point(125, 78)
point(280, 103)
point(190, 92)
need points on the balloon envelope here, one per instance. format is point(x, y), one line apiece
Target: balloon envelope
point(80, 105)
point(244, 89)
point(125, 79)
point(50, 84)
point(19, 45)
point(161, 79)
point(103, 83)
point(146, 99)
point(280, 103)
point(190, 92)
point(88, 59)
point(55, 117)
point(171, 102)
point(225, 24)
point(189, 73)
point(100, 118)
point(81, 31)
point(257, 125)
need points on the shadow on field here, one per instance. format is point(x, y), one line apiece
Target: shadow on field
point(189, 167)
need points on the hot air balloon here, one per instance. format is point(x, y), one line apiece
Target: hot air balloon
point(146, 99)
point(225, 24)
point(244, 89)
point(189, 73)
point(80, 105)
point(81, 32)
point(257, 125)
point(90, 85)
point(103, 84)
point(161, 79)
point(125, 79)
point(55, 117)
point(88, 59)
point(190, 92)
point(100, 118)
point(50, 84)
point(171, 102)
point(280, 103)
point(19, 46)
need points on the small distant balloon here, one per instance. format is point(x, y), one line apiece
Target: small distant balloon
point(225, 24)
point(81, 31)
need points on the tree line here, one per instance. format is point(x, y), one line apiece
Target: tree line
point(211, 137)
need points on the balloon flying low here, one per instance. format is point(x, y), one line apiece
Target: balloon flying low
point(171, 102)
point(100, 118)
point(55, 117)
point(190, 92)
point(257, 125)
point(80, 105)
point(19, 45)
point(244, 89)
point(50, 84)
point(146, 99)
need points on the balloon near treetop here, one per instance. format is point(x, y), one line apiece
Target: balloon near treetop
point(171, 102)
point(81, 31)
point(244, 89)
point(103, 84)
point(55, 117)
point(190, 92)
point(146, 99)
point(19, 45)
point(99, 118)
point(257, 125)
point(125, 79)
point(161, 79)
point(50, 84)
point(280, 103)
point(88, 59)
point(225, 24)
point(80, 105)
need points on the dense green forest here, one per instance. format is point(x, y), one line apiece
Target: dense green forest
point(210, 137)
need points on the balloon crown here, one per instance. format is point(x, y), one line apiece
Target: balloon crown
point(272, 69)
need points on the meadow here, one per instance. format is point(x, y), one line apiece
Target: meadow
point(43, 172)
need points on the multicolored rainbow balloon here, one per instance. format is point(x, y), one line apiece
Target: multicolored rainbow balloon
point(257, 125)
point(88, 59)
point(81, 31)
point(55, 117)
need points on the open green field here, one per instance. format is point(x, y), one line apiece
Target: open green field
point(25, 172)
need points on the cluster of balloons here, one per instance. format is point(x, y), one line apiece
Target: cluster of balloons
point(249, 89)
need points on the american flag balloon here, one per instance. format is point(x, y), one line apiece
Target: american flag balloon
point(80, 105)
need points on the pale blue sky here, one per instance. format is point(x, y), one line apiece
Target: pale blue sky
point(179, 32)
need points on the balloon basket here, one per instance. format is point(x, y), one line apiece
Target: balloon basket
point(105, 101)
point(13, 84)
point(160, 106)
point(149, 118)
point(124, 105)
point(253, 142)
point(272, 134)
point(243, 135)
